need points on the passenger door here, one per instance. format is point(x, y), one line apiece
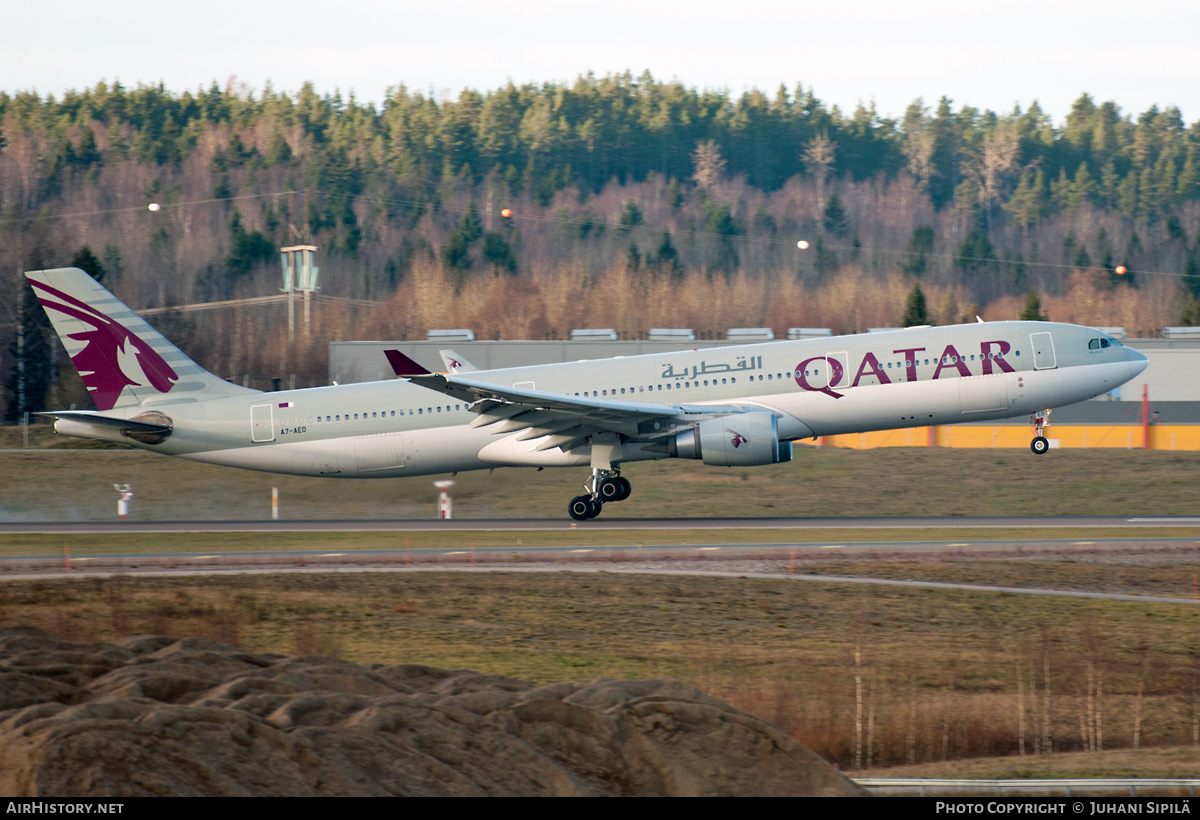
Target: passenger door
point(262, 423)
point(1043, 351)
point(842, 359)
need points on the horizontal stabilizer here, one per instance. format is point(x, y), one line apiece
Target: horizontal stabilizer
point(91, 417)
point(403, 365)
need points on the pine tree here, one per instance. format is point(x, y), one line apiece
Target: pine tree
point(1109, 183)
point(1127, 195)
point(674, 195)
point(1028, 200)
point(1033, 309)
point(666, 257)
point(1191, 313)
point(470, 225)
point(1060, 191)
point(835, 214)
point(919, 246)
point(633, 257)
point(916, 313)
point(1082, 187)
point(87, 262)
point(30, 348)
point(1189, 177)
point(631, 217)
point(498, 253)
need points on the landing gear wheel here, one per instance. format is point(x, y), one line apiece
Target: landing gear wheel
point(626, 488)
point(612, 489)
point(1039, 445)
point(582, 507)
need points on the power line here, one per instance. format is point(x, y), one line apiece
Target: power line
point(164, 205)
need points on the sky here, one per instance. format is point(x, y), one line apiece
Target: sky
point(988, 55)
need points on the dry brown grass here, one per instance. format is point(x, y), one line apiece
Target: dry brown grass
point(938, 667)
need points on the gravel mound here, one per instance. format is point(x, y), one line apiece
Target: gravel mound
point(163, 716)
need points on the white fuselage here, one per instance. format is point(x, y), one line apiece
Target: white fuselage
point(910, 378)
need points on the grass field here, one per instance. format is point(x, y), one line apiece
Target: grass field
point(943, 680)
point(937, 671)
point(49, 484)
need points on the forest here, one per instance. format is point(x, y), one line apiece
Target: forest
point(631, 203)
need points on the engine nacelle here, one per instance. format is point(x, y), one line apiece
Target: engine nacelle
point(743, 440)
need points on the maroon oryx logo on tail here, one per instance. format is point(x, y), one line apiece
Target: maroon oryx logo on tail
point(112, 358)
point(738, 438)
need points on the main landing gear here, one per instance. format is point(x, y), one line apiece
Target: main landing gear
point(605, 485)
point(1040, 421)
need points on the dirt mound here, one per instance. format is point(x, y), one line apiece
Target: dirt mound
point(161, 716)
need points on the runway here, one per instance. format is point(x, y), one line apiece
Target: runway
point(540, 524)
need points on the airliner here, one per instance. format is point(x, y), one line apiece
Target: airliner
point(736, 406)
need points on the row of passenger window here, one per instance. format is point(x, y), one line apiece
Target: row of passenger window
point(651, 388)
point(420, 411)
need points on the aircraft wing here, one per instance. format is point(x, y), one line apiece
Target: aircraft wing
point(566, 419)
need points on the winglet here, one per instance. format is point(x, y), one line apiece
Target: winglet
point(403, 365)
point(456, 363)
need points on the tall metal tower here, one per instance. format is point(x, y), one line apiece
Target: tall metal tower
point(299, 273)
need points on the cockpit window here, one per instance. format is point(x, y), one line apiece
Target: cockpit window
point(1104, 343)
point(1094, 344)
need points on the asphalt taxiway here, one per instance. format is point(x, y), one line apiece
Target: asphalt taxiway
point(538, 524)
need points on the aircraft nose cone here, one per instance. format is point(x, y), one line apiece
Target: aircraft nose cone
point(1137, 361)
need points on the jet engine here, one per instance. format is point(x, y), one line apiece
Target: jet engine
point(742, 440)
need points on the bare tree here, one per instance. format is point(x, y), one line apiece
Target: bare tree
point(819, 155)
point(991, 168)
point(707, 161)
point(918, 150)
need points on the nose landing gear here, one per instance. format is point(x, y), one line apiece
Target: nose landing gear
point(605, 485)
point(1040, 421)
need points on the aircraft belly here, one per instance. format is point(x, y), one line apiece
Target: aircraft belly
point(1056, 388)
point(444, 449)
point(327, 457)
point(877, 407)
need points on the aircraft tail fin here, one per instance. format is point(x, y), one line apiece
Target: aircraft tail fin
point(122, 360)
point(455, 363)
